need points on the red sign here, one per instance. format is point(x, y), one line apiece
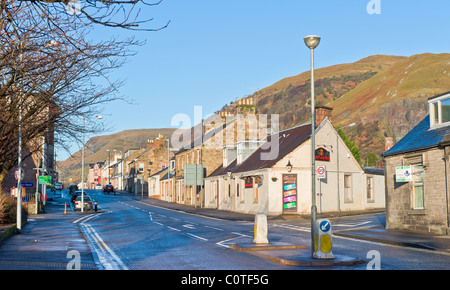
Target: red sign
point(322, 154)
point(248, 182)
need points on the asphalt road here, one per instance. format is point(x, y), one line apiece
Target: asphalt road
point(131, 234)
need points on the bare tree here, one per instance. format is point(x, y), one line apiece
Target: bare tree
point(50, 69)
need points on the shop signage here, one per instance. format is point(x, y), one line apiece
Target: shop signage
point(322, 154)
point(289, 192)
point(248, 182)
point(403, 173)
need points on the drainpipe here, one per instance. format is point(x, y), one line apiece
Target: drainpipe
point(446, 194)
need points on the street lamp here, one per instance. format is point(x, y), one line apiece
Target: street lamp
point(82, 163)
point(312, 41)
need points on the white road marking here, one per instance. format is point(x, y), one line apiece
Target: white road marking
point(197, 237)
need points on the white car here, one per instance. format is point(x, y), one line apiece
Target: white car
point(87, 203)
point(98, 186)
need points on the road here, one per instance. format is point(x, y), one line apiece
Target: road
point(131, 234)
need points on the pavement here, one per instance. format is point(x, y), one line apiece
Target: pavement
point(54, 246)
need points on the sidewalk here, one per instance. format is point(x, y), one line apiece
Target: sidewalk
point(46, 242)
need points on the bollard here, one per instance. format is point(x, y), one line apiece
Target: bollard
point(95, 205)
point(65, 208)
point(260, 229)
point(323, 242)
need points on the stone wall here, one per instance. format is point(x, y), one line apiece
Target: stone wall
point(399, 204)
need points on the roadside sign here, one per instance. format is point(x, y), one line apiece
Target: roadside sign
point(321, 172)
point(29, 184)
point(45, 180)
point(193, 174)
point(325, 226)
point(16, 174)
point(403, 174)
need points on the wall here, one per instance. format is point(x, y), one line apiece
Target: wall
point(399, 210)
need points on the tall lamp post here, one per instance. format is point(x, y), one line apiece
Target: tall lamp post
point(82, 163)
point(312, 41)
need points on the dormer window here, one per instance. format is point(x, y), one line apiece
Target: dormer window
point(439, 107)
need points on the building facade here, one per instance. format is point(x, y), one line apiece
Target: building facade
point(280, 183)
point(417, 173)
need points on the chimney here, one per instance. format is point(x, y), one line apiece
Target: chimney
point(322, 112)
point(388, 143)
point(158, 142)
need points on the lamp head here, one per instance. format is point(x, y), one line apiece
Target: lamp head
point(312, 41)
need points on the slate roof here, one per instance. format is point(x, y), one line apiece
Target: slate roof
point(420, 137)
point(288, 140)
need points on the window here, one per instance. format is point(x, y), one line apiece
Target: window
point(445, 110)
point(417, 190)
point(348, 195)
point(439, 109)
point(370, 195)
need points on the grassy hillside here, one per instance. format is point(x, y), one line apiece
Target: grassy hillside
point(386, 96)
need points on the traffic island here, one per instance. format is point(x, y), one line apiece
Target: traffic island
point(293, 255)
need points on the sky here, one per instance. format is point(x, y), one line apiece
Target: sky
point(216, 51)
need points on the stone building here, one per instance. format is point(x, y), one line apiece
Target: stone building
point(417, 173)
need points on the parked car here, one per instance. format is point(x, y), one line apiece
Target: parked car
point(76, 194)
point(108, 188)
point(98, 186)
point(87, 203)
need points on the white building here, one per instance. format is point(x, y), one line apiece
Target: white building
point(265, 184)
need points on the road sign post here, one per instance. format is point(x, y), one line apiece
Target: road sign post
point(323, 240)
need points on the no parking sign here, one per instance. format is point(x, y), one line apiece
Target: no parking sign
point(321, 172)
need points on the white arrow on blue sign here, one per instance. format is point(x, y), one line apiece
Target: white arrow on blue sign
point(325, 226)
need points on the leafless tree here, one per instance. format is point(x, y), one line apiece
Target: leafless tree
point(52, 71)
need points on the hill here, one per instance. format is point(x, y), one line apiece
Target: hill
point(384, 95)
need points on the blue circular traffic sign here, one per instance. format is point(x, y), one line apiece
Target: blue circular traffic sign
point(325, 226)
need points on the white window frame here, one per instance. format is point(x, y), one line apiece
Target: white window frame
point(416, 183)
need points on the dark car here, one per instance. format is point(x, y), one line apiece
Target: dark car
point(108, 188)
point(73, 188)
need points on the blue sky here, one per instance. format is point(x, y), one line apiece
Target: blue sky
point(215, 51)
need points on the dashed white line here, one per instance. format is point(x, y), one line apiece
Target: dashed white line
point(197, 237)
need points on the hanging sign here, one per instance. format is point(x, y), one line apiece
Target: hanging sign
point(248, 182)
point(322, 154)
point(403, 174)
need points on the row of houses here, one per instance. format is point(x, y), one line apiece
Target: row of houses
point(129, 170)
